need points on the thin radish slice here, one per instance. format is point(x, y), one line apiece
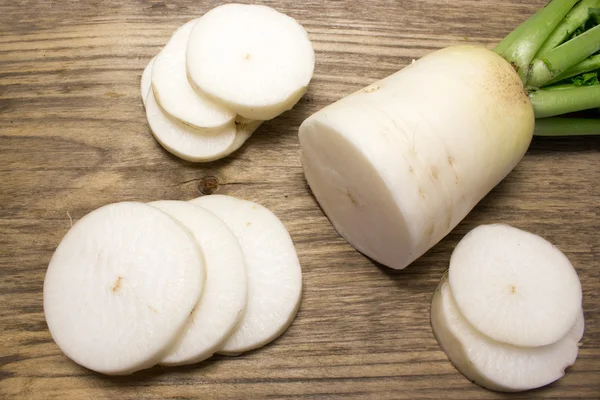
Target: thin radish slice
point(225, 292)
point(494, 365)
point(274, 273)
point(251, 58)
point(244, 131)
point(173, 91)
point(146, 81)
point(120, 287)
point(514, 286)
point(184, 141)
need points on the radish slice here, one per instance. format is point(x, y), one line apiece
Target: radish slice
point(225, 292)
point(514, 286)
point(274, 273)
point(120, 287)
point(183, 140)
point(251, 58)
point(244, 131)
point(494, 365)
point(146, 81)
point(173, 91)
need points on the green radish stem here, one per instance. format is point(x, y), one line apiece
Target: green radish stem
point(572, 21)
point(550, 103)
point(560, 59)
point(558, 126)
point(533, 34)
point(589, 64)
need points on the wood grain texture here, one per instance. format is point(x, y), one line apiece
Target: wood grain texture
point(74, 138)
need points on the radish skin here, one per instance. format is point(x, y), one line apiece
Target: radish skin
point(397, 165)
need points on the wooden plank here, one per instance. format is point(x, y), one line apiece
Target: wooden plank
point(74, 137)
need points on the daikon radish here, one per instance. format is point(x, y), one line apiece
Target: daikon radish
point(252, 59)
point(174, 93)
point(184, 141)
point(120, 287)
point(494, 365)
point(225, 291)
point(514, 286)
point(274, 273)
point(397, 165)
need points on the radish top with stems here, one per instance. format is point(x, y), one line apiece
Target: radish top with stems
point(559, 46)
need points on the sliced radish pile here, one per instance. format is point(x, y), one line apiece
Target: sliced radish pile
point(225, 291)
point(259, 66)
point(509, 314)
point(120, 287)
point(133, 285)
point(227, 71)
point(274, 273)
point(175, 94)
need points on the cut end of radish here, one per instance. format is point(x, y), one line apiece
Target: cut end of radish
point(494, 365)
point(251, 58)
point(514, 286)
point(120, 287)
point(274, 272)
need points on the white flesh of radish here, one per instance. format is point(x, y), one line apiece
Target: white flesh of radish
point(514, 286)
point(146, 81)
point(120, 287)
point(251, 58)
point(224, 297)
point(274, 273)
point(175, 94)
point(398, 164)
point(184, 141)
point(494, 365)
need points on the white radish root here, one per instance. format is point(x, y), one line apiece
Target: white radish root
point(397, 165)
point(494, 365)
point(184, 141)
point(514, 286)
point(225, 291)
point(174, 93)
point(120, 287)
point(274, 273)
point(254, 60)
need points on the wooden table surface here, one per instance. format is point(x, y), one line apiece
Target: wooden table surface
point(74, 137)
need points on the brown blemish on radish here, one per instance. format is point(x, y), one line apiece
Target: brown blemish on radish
point(117, 284)
point(421, 193)
point(429, 232)
point(351, 198)
point(434, 172)
point(372, 89)
point(248, 223)
point(152, 308)
point(248, 56)
point(411, 170)
point(513, 289)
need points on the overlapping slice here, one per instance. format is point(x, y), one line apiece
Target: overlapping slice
point(146, 81)
point(174, 93)
point(508, 315)
point(225, 292)
point(184, 141)
point(120, 287)
point(251, 58)
point(274, 273)
point(494, 365)
point(514, 286)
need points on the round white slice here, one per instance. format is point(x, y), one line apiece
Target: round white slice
point(494, 365)
point(514, 286)
point(244, 131)
point(184, 141)
point(146, 81)
point(224, 298)
point(274, 273)
point(120, 287)
point(175, 94)
point(253, 59)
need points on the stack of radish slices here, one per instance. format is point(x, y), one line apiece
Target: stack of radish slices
point(221, 76)
point(132, 285)
point(508, 314)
